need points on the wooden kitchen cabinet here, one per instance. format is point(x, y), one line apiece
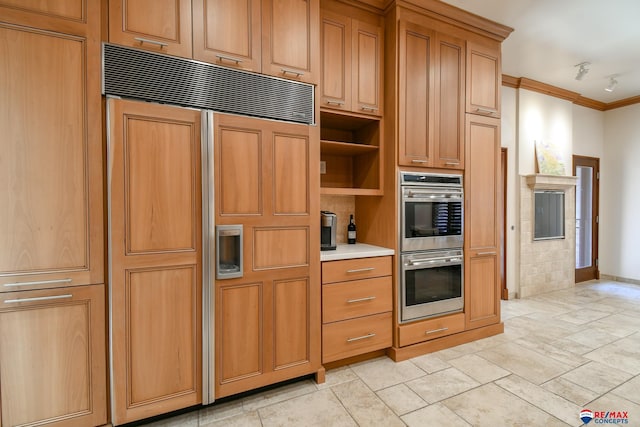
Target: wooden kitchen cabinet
point(162, 26)
point(51, 220)
point(482, 279)
point(267, 322)
point(356, 307)
point(227, 32)
point(290, 39)
point(156, 258)
point(431, 98)
point(351, 64)
point(483, 79)
point(53, 357)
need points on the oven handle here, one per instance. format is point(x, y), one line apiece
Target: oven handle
point(444, 194)
point(434, 262)
point(438, 199)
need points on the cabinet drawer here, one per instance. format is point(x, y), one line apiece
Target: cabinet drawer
point(354, 269)
point(358, 298)
point(430, 329)
point(352, 337)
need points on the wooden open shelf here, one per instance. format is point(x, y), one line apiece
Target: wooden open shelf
point(345, 148)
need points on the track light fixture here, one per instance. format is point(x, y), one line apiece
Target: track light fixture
point(582, 70)
point(612, 84)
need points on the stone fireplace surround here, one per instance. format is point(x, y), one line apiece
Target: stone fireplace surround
point(546, 265)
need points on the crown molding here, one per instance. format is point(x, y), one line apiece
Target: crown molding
point(574, 97)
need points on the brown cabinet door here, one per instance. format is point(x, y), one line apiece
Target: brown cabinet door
point(336, 61)
point(156, 263)
point(290, 42)
point(51, 174)
point(162, 26)
point(53, 357)
point(367, 51)
point(416, 98)
point(227, 32)
point(78, 17)
point(483, 79)
point(450, 100)
point(482, 279)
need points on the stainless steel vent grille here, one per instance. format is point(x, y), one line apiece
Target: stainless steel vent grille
point(134, 73)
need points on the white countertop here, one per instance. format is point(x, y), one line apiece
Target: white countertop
point(358, 250)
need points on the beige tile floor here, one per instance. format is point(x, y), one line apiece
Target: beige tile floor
point(561, 352)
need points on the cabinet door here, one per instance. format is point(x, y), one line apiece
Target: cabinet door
point(482, 284)
point(483, 79)
point(227, 32)
point(51, 175)
point(156, 262)
point(53, 358)
point(78, 17)
point(158, 25)
point(416, 97)
point(290, 43)
point(336, 61)
point(367, 68)
point(450, 99)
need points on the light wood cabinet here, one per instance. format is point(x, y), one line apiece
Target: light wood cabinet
point(51, 175)
point(156, 258)
point(290, 39)
point(52, 357)
point(482, 280)
point(162, 26)
point(351, 64)
point(65, 16)
point(483, 79)
point(267, 322)
point(356, 307)
point(423, 330)
point(431, 98)
point(227, 32)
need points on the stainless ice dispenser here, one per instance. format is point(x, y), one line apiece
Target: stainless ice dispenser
point(229, 251)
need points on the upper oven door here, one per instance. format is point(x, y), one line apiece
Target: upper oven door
point(431, 218)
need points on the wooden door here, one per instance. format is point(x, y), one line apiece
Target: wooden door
point(162, 26)
point(227, 32)
point(482, 277)
point(483, 79)
point(450, 99)
point(367, 79)
point(53, 357)
point(78, 17)
point(416, 97)
point(336, 61)
point(290, 41)
point(51, 175)
point(156, 258)
point(587, 169)
point(268, 321)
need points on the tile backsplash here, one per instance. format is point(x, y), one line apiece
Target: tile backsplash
point(342, 206)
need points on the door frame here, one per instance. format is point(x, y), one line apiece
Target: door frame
point(504, 155)
point(592, 272)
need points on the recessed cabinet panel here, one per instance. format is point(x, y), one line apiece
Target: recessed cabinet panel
point(290, 174)
point(67, 9)
point(163, 353)
point(280, 247)
point(336, 61)
point(483, 80)
point(160, 165)
point(290, 328)
point(240, 159)
point(482, 295)
point(239, 321)
point(367, 68)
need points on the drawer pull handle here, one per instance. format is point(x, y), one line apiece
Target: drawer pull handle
point(365, 108)
point(486, 111)
point(351, 301)
point(486, 253)
point(228, 58)
point(157, 43)
point(13, 301)
point(418, 161)
point(286, 71)
point(361, 270)
point(39, 282)
point(435, 331)
point(334, 102)
point(364, 337)
point(452, 163)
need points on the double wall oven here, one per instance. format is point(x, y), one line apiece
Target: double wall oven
point(431, 241)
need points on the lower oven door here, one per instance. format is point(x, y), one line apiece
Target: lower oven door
point(431, 284)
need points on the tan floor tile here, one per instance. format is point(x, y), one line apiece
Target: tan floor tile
point(570, 391)
point(478, 368)
point(435, 415)
point(623, 354)
point(430, 363)
point(562, 350)
point(248, 419)
point(401, 399)
point(580, 317)
point(597, 377)
point(337, 376)
point(441, 385)
point(384, 372)
point(218, 412)
point(279, 394)
point(629, 390)
point(366, 408)
point(319, 409)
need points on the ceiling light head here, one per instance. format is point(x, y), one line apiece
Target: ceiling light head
point(582, 69)
point(612, 84)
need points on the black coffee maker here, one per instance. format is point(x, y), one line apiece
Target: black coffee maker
point(328, 222)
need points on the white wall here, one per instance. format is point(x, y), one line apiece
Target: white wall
point(619, 194)
point(588, 132)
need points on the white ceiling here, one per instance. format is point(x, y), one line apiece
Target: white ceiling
point(551, 36)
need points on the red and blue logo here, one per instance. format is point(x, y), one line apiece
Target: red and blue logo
point(586, 416)
point(604, 417)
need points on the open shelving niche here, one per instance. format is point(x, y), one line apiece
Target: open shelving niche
point(350, 149)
